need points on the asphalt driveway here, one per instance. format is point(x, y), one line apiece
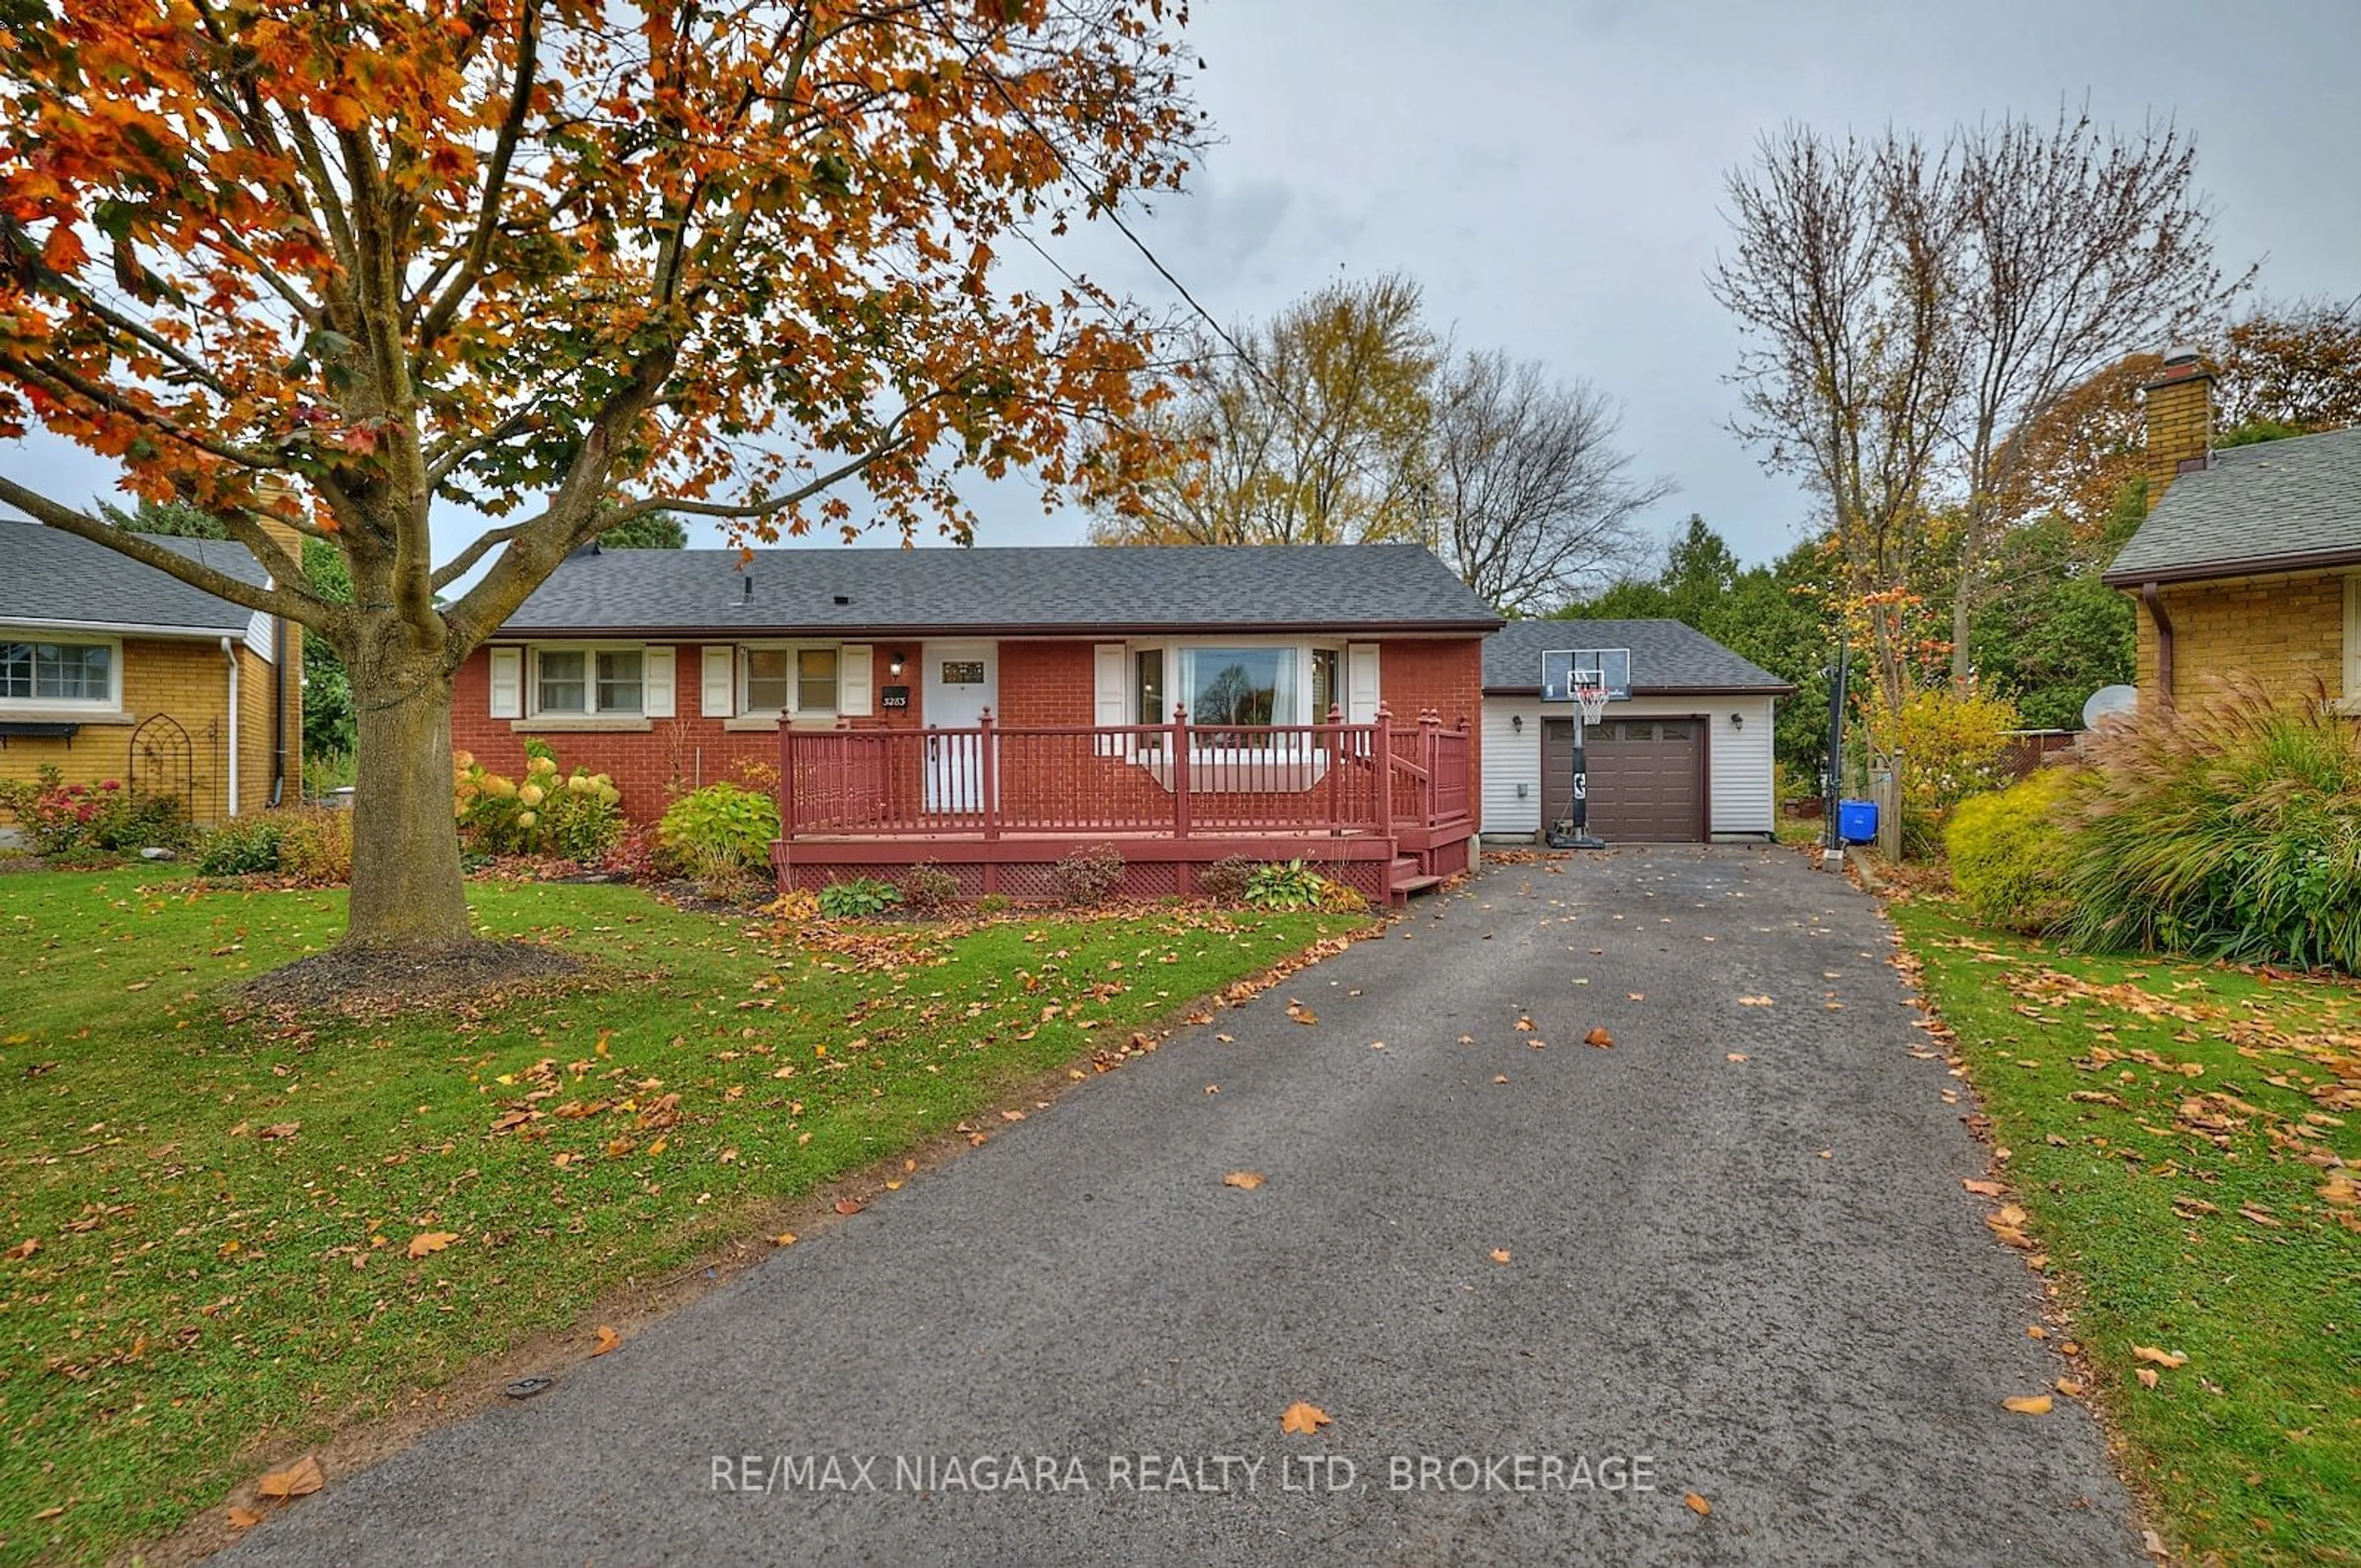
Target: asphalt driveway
point(1757, 1281)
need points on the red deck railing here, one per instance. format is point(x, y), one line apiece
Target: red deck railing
point(1177, 780)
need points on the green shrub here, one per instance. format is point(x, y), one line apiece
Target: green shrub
point(247, 845)
point(718, 833)
point(993, 903)
point(1289, 884)
point(316, 844)
point(2008, 852)
point(2230, 829)
point(1087, 876)
point(863, 898)
point(1951, 746)
point(59, 819)
point(929, 889)
point(548, 811)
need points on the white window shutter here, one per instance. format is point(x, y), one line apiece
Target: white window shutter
point(853, 685)
point(1361, 682)
point(657, 682)
point(508, 683)
point(1107, 663)
point(720, 682)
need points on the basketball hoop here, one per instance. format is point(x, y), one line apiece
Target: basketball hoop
point(1593, 703)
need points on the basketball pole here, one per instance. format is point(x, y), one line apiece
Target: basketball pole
point(1582, 838)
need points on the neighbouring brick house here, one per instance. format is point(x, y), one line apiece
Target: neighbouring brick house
point(860, 685)
point(110, 669)
point(2250, 559)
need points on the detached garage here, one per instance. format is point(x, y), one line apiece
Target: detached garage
point(1688, 759)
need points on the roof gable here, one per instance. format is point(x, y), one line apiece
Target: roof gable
point(2274, 506)
point(1045, 590)
point(1666, 656)
point(55, 578)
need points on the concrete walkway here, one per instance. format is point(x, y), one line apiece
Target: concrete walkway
point(1757, 1280)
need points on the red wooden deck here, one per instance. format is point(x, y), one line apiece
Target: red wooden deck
point(1380, 807)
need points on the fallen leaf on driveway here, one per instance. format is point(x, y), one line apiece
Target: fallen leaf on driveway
point(1501, 1255)
point(1984, 1188)
point(1012, 1115)
point(1301, 1013)
point(2027, 1405)
point(1226, 1039)
point(1754, 1002)
point(2071, 1389)
point(1600, 1038)
point(299, 1479)
point(1499, 1078)
point(1697, 1505)
point(2165, 1358)
point(608, 1340)
point(784, 1238)
point(1524, 1026)
point(1639, 996)
point(244, 1519)
point(1737, 1056)
point(425, 1242)
point(847, 1206)
point(1244, 1180)
point(1299, 1416)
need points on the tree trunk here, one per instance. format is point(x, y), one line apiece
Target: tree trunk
point(1963, 613)
point(407, 890)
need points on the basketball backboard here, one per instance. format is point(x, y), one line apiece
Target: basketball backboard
point(1564, 669)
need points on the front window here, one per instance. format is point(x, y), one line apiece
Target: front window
point(587, 681)
point(815, 680)
point(1239, 686)
point(1326, 690)
point(767, 680)
point(790, 680)
point(56, 672)
point(1148, 675)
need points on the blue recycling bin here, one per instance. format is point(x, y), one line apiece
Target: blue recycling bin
point(1857, 821)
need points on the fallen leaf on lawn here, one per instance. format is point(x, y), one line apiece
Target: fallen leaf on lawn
point(1984, 1188)
point(23, 1249)
point(608, 1340)
point(1012, 1115)
point(299, 1479)
point(1299, 1416)
point(1501, 1255)
point(2068, 1386)
point(847, 1206)
point(1600, 1038)
point(2164, 1358)
point(244, 1519)
point(2028, 1404)
point(2250, 1211)
point(49, 1513)
point(657, 1146)
point(1244, 1180)
point(1697, 1505)
point(2153, 1544)
point(2147, 1376)
point(281, 1130)
point(425, 1242)
point(2339, 1190)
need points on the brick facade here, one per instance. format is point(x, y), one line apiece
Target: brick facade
point(1043, 683)
point(187, 681)
point(2285, 632)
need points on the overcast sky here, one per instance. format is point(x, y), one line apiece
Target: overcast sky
point(1551, 174)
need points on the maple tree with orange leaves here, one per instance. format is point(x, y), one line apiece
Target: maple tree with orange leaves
point(347, 264)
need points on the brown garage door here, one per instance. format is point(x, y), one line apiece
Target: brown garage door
point(1647, 777)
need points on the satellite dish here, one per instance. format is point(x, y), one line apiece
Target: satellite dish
point(2107, 700)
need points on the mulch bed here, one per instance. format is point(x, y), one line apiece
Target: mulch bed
point(368, 979)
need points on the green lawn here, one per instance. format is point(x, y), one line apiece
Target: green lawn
point(223, 1213)
point(2171, 1129)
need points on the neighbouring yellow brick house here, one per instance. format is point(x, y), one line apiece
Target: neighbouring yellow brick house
point(110, 669)
point(2249, 562)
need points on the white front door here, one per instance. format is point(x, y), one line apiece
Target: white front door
point(959, 680)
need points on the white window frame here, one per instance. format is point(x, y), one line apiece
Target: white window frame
point(110, 703)
point(589, 708)
point(793, 712)
point(1151, 756)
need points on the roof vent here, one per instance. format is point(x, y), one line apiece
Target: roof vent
point(749, 595)
point(844, 599)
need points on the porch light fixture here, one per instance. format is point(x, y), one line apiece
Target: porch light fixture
point(893, 666)
point(1517, 722)
point(1738, 721)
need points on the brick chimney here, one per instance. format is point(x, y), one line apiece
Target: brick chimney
point(2179, 420)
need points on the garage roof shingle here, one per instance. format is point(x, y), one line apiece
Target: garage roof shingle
point(1666, 656)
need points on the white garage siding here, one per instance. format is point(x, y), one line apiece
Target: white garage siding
point(1739, 761)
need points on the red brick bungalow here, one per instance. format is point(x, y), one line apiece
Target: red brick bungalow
point(989, 710)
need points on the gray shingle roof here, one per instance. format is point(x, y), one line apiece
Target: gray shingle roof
point(2279, 505)
point(54, 578)
point(1666, 656)
point(1081, 588)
